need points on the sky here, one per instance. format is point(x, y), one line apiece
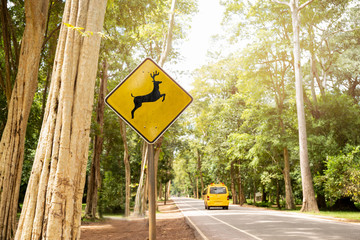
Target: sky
point(205, 24)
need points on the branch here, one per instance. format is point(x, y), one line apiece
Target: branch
point(50, 35)
point(284, 3)
point(168, 41)
point(342, 31)
point(305, 4)
point(275, 60)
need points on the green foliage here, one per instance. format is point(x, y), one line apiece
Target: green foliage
point(342, 176)
point(111, 194)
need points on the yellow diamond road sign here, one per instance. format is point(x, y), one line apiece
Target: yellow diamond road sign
point(149, 100)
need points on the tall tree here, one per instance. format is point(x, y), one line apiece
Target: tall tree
point(309, 201)
point(13, 138)
point(53, 201)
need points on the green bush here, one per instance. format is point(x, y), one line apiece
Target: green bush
point(111, 199)
point(343, 175)
point(263, 204)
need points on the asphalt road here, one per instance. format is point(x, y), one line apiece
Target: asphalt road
point(251, 223)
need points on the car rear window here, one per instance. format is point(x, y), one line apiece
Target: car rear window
point(218, 190)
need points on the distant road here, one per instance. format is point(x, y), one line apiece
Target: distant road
point(251, 223)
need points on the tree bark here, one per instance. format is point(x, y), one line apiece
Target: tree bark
point(156, 162)
point(197, 187)
point(232, 175)
point(200, 170)
point(168, 189)
point(127, 168)
point(264, 195)
point(290, 202)
point(165, 193)
point(53, 201)
point(160, 195)
point(95, 178)
point(254, 191)
point(192, 184)
point(13, 137)
point(278, 194)
point(139, 208)
point(242, 199)
point(7, 43)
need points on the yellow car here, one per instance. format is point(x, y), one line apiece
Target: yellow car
point(216, 195)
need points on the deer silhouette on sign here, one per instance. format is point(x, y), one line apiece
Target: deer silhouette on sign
point(151, 97)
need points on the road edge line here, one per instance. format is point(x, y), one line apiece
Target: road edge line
point(229, 225)
point(199, 234)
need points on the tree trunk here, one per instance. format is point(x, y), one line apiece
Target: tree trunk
point(53, 201)
point(197, 187)
point(13, 137)
point(95, 178)
point(139, 208)
point(156, 162)
point(278, 194)
point(127, 168)
point(242, 199)
point(233, 191)
point(7, 43)
point(254, 191)
point(146, 189)
point(264, 195)
point(164, 54)
point(199, 170)
point(309, 201)
point(160, 191)
point(165, 194)
point(192, 183)
point(166, 48)
point(290, 202)
point(168, 189)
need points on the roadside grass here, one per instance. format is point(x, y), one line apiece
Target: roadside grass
point(353, 216)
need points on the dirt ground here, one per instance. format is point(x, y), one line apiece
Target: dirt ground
point(170, 224)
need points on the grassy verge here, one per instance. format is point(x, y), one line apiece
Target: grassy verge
point(348, 215)
point(351, 216)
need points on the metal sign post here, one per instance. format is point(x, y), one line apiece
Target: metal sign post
point(151, 180)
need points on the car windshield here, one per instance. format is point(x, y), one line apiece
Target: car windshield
point(218, 190)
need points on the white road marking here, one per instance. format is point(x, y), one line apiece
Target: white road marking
point(204, 213)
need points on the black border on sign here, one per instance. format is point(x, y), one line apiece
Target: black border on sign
point(163, 131)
